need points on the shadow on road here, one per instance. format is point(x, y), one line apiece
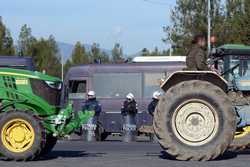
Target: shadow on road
point(68, 154)
point(226, 156)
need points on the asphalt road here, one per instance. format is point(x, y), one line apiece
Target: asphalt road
point(119, 154)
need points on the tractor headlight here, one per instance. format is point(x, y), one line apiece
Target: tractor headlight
point(54, 85)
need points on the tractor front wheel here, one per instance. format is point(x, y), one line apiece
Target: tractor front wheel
point(22, 135)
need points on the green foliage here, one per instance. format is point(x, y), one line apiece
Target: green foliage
point(230, 22)
point(188, 18)
point(6, 41)
point(117, 53)
point(97, 56)
point(44, 52)
point(104, 58)
point(79, 55)
point(145, 52)
point(46, 56)
point(155, 52)
point(26, 41)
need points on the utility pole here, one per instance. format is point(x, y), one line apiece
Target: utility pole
point(208, 25)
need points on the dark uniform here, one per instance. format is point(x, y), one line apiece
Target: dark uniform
point(129, 108)
point(92, 105)
point(91, 130)
point(152, 105)
point(196, 59)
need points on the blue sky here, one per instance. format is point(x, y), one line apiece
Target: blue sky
point(134, 23)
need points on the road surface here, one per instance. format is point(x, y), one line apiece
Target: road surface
point(119, 154)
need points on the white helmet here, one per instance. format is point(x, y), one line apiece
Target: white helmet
point(91, 93)
point(130, 96)
point(156, 94)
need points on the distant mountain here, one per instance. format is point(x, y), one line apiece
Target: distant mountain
point(66, 49)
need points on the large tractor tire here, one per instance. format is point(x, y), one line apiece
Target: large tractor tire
point(22, 135)
point(195, 120)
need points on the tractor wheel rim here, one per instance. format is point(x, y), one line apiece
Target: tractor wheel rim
point(17, 135)
point(195, 122)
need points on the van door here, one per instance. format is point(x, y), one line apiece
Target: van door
point(77, 90)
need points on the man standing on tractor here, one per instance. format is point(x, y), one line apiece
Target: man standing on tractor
point(196, 59)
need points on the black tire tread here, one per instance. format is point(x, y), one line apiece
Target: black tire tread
point(161, 116)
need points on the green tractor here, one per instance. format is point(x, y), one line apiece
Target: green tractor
point(31, 118)
point(203, 113)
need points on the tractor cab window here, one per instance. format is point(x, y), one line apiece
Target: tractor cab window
point(239, 64)
point(77, 89)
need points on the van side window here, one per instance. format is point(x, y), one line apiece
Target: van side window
point(77, 89)
point(117, 85)
point(152, 82)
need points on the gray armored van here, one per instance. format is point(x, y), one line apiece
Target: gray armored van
point(112, 82)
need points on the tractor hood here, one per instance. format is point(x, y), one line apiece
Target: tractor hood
point(28, 74)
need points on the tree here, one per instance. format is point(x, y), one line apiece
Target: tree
point(104, 58)
point(25, 41)
point(145, 52)
point(6, 41)
point(189, 18)
point(95, 52)
point(8, 44)
point(237, 29)
point(98, 56)
point(79, 56)
point(117, 53)
point(155, 52)
point(46, 56)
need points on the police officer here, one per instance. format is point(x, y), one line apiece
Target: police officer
point(196, 59)
point(154, 102)
point(91, 130)
point(92, 104)
point(129, 111)
point(129, 106)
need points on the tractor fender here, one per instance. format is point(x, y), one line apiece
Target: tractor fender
point(181, 76)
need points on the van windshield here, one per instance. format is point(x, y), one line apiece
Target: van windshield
point(77, 89)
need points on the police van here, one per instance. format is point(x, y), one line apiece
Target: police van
point(112, 82)
point(16, 62)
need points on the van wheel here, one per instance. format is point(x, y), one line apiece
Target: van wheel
point(195, 120)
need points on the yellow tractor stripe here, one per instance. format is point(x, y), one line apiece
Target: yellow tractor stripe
point(16, 74)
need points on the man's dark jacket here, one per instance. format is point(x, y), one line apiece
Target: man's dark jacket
point(129, 108)
point(92, 105)
point(152, 105)
point(196, 59)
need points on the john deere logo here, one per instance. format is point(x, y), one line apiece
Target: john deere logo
point(21, 81)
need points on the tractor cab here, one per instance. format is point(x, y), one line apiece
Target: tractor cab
point(233, 61)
